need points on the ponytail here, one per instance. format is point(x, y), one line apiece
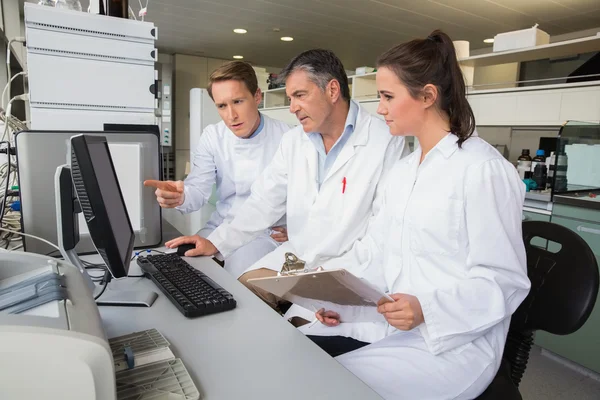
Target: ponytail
point(433, 61)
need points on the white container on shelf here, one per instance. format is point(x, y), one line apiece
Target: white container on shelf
point(364, 70)
point(462, 48)
point(523, 38)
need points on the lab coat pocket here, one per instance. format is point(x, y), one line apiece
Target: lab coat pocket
point(435, 226)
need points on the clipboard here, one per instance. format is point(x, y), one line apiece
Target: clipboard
point(337, 290)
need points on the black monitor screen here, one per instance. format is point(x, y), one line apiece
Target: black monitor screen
point(102, 202)
point(113, 201)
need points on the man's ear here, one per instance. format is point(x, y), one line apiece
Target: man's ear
point(258, 96)
point(333, 90)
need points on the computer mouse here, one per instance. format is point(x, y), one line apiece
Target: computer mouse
point(181, 250)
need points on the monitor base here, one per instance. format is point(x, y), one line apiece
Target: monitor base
point(127, 298)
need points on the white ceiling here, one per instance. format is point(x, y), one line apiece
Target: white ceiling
point(356, 30)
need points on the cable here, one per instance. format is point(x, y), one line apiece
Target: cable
point(31, 236)
point(132, 13)
point(3, 205)
point(8, 85)
point(19, 39)
point(107, 280)
point(137, 254)
point(23, 97)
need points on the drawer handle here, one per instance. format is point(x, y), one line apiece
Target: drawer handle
point(588, 230)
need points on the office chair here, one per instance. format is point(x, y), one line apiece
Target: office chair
point(564, 287)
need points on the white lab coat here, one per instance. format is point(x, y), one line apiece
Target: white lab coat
point(234, 164)
point(322, 223)
point(449, 233)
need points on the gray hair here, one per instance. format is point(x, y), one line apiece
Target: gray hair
point(322, 66)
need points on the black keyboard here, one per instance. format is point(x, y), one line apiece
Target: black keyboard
point(193, 293)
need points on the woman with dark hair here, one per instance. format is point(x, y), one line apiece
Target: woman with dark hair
point(446, 244)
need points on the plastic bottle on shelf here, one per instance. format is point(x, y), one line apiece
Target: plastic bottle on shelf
point(539, 158)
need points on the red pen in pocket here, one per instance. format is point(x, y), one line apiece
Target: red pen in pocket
point(344, 185)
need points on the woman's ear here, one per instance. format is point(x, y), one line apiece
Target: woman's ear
point(429, 95)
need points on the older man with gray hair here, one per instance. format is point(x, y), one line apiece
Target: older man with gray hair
point(324, 176)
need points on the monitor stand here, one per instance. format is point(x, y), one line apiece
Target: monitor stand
point(67, 208)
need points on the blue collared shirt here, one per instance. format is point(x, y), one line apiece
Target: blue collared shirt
point(260, 127)
point(326, 160)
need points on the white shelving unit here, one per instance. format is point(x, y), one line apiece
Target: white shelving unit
point(275, 98)
point(552, 50)
point(542, 105)
point(362, 88)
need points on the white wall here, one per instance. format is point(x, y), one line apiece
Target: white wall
point(496, 76)
point(190, 72)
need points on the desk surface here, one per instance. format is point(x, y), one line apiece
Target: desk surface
point(249, 352)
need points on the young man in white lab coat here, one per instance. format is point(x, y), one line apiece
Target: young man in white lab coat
point(446, 244)
point(323, 177)
point(231, 153)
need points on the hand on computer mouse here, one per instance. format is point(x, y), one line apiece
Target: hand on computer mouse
point(203, 247)
point(169, 194)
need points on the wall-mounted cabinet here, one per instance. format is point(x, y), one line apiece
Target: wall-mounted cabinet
point(534, 106)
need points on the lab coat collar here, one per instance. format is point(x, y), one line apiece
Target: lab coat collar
point(359, 137)
point(447, 146)
point(256, 138)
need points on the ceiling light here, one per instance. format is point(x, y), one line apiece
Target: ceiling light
point(238, 57)
point(287, 38)
point(240, 31)
point(491, 40)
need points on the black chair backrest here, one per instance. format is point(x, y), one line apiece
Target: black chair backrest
point(564, 285)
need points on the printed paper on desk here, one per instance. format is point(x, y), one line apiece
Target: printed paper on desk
point(337, 290)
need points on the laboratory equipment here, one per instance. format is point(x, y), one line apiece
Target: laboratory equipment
point(58, 350)
point(577, 172)
point(103, 69)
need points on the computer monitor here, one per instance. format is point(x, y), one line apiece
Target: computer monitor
point(136, 157)
point(97, 189)
point(90, 185)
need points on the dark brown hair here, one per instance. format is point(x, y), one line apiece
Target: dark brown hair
point(433, 61)
point(234, 70)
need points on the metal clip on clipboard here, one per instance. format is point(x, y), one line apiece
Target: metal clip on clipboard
point(294, 266)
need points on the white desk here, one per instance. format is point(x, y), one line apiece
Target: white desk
point(249, 352)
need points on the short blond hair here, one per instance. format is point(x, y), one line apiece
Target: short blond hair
point(234, 70)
